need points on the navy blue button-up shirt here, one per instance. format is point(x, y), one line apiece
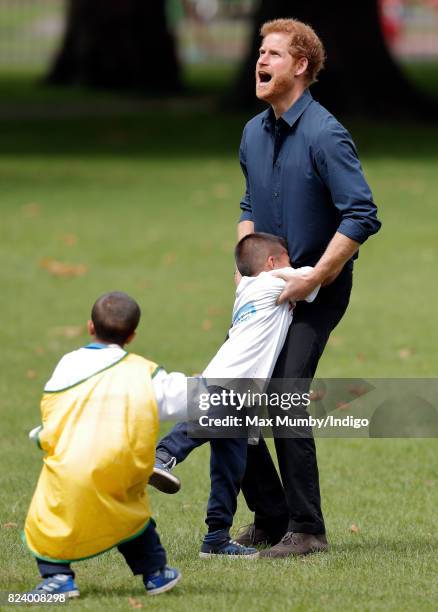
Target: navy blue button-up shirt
point(304, 180)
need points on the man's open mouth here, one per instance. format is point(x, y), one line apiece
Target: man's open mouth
point(264, 77)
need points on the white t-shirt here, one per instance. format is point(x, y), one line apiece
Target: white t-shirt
point(259, 328)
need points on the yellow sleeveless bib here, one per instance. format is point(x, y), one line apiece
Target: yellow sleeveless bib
point(100, 438)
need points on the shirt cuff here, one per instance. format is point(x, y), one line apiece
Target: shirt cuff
point(353, 230)
point(246, 216)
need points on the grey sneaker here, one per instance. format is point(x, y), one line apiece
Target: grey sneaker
point(230, 548)
point(162, 477)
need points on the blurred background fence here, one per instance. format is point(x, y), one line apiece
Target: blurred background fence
point(208, 31)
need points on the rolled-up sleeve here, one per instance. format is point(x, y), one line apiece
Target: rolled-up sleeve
point(340, 169)
point(245, 203)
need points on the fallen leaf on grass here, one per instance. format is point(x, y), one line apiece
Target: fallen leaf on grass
point(405, 353)
point(169, 258)
point(357, 390)
point(206, 324)
point(40, 350)
point(354, 528)
point(31, 210)
point(69, 239)
point(143, 284)
point(316, 395)
point(31, 374)
point(215, 311)
point(221, 190)
point(61, 269)
point(343, 405)
point(335, 341)
point(9, 525)
point(134, 603)
point(360, 357)
point(68, 331)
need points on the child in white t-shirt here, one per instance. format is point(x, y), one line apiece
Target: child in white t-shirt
point(259, 329)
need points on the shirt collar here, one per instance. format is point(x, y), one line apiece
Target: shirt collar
point(292, 114)
point(100, 345)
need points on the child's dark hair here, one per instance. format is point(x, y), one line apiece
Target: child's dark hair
point(252, 251)
point(115, 316)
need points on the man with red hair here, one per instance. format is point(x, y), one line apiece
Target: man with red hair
point(304, 182)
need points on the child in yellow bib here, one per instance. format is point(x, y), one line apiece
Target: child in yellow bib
point(100, 414)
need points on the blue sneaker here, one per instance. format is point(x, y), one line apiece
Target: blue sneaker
point(162, 580)
point(162, 477)
point(57, 584)
point(228, 548)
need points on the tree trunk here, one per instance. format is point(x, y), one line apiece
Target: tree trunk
point(117, 44)
point(360, 76)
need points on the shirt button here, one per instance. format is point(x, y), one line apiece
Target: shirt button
point(276, 194)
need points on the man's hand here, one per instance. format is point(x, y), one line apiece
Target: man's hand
point(339, 250)
point(299, 285)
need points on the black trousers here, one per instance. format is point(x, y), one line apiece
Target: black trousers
point(144, 555)
point(227, 467)
point(294, 502)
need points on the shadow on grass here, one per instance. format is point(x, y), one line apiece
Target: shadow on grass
point(167, 135)
point(137, 592)
point(45, 121)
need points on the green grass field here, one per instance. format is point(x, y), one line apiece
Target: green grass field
point(147, 203)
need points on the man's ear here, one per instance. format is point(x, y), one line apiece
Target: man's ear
point(130, 338)
point(301, 66)
point(90, 327)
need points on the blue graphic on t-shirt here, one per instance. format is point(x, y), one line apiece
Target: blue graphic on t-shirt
point(247, 311)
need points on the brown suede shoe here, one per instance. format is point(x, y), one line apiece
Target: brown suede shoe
point(250, 535)
point(296, 544)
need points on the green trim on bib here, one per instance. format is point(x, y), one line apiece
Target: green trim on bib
point(88, 377)
point(51, 560)
point(155, 372)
